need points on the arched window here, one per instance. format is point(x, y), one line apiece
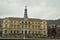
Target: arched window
point(11, 31)
point(22, 22)
point(14, 31)
point(26, 32)
point(22, 32)
point(29, 22)
point(18, 32)
point(25, 23)
point(6, 25)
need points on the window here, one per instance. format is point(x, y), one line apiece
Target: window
point(22, 26)
point(38, 32)
point(6, 25)
point(18, 32)
point(35, 22)
point(29, 26)
point(44, 32)
point(5, 31)
point(44, 22)
point(44, 35)
point(11, 31)
point(32, 22)
point(11, 25)
point(14, 21)
point(22, 22)
point(41, 35)
point(29, 22)
point(14, 26)
point(25, 23)
point(32, 26)
point(38, 26)
point(25, 26)
point(14, 31)
point(17, 26)
point(26, 32)
point(35, 32)
point(44, 26)
point(29, 32)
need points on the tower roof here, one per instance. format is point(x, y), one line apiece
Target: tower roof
point(25, 12)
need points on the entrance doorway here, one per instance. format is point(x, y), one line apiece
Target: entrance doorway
point(26, 32)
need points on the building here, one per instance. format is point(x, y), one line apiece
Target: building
point(1, 22)
point(24, 27)
point(58, 31)
point(52, 31)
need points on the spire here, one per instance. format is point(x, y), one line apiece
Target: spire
point(25, 12)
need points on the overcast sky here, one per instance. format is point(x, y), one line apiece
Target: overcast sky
point(42, 9)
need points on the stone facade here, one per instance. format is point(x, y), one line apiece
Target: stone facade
point(20, 26)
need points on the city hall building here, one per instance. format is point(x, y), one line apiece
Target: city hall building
point(24, 27)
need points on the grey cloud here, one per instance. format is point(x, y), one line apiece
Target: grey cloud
point(36, 8)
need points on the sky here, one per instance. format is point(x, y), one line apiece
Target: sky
point(42, 9)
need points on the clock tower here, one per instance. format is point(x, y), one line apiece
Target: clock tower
point(25, 12)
